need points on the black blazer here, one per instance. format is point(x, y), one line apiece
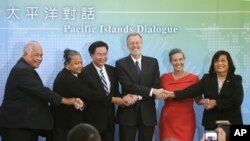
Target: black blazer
point(100, 113)
point(228, 101)
point(67, 85)
point(150, 78)
point(25, 103)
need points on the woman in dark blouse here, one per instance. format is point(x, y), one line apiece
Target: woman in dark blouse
point(222, 90)
point(67, 84)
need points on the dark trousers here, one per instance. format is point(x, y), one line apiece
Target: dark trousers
point(107, 135)
point(59, 134)
point(15, 134)
point(128, 133)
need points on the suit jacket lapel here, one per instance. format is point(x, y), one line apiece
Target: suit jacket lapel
point(214, 85)
point(144, 67)
point(110, 76)
point(94, 74)
point(38, 77)
point(225, 85)
point(35, 72)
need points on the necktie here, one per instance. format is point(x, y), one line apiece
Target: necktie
point(104, 82)
point(138, 70)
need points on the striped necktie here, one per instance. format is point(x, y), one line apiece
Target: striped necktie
point(104, 82)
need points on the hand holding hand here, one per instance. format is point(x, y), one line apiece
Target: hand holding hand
point(205, 102)
point(76, 102)
point(119, 101)
point(208, 103)
point(199, 100)
point(79, 105)
point(130, 99)
point(159, 94)
point(169, 94)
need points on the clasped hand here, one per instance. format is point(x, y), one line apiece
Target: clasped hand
point(162, 94)
point(76, 102)
point(130, 99)
point(79, 104)
point(127, 100)
point(208, 103)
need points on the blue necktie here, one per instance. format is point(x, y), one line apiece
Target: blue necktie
point(138, 70)
point(104, 82)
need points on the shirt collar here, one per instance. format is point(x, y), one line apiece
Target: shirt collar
point(72, 72)
point(139, 60)
point(98, 69)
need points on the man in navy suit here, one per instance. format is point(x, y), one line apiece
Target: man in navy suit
point(102, 80)
point(25, 113)
point(139, 75)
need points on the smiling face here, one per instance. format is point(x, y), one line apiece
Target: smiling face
point(34, 55)
point(178, 61)
point(75, 65)
point(100, 56)
point(221, 65)
point(134, 44)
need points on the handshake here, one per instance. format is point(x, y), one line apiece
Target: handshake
point(76, 102)
point(208, 103)
point(131, 99)
point(163, 94)
point(127, 100)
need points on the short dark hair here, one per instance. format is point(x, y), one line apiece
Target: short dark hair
point(83, 132)
point(68, 53)
point(174, 51)
point(231, 67)
point(95, 45)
